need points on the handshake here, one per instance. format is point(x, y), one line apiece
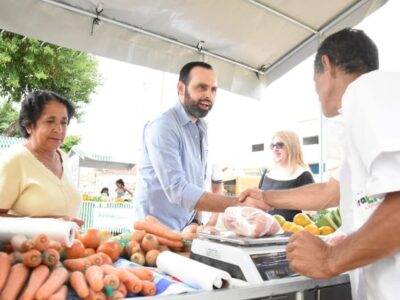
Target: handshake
point(254, 197)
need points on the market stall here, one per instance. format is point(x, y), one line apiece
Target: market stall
point(107, 216)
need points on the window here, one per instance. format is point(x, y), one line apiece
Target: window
point(257, 147)
point(311, 140)
point(315, 168)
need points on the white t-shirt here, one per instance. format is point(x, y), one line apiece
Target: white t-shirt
point(371, 169)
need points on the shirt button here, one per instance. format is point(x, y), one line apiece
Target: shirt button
point(195, 136)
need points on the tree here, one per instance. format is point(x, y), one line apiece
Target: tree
point(69, 142)
point(27, 64)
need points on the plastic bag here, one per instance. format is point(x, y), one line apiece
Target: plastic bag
point(250, 222)
point(334, 238)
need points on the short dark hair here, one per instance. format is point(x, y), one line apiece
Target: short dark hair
point(185, 71)
point(33, 105)
point(349, 49)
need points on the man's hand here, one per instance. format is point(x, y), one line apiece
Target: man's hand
point(310, 256)
point(255, 203)
point(254, 198)
point(254, 193)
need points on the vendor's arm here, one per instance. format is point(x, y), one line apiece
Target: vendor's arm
point(378, 238)
point(309, 197)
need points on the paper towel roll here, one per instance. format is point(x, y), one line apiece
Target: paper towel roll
point(58, 230)
point(193, 273)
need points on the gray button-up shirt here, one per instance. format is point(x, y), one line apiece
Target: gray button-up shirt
point(172, 169)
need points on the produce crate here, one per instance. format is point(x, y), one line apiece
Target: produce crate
point(107, 216)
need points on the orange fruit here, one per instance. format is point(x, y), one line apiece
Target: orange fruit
point(325, 230)
point(297, 228)
point(281, 220)
point(313, 229)
point(302, 219)
point(287, 226)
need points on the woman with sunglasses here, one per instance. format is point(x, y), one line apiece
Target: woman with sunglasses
point(288, 170)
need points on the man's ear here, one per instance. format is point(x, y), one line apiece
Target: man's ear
point(328, 65)
point(181, 88)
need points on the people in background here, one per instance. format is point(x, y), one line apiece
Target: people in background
point(288, 170)
point(104, 192)
point(348, 83)
point(33, 176)
point(121, 190)
point(172, 169)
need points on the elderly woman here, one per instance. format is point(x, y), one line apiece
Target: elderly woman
point(288, 170)
point(33, 179)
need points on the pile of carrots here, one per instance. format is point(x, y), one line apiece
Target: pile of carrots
point(149, 238)
point(42, 269)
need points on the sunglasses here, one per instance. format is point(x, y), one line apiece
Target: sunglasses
point(277, 145)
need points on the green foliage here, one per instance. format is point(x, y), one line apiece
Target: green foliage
point(69, 142)
point(27, 64)
point(8, 117)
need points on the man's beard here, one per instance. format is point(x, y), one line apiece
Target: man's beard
point(192, 106)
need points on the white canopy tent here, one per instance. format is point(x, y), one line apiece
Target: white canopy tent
point(250, 43)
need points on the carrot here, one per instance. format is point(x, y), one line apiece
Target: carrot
point(158, 230)
point(106, 258)
point(111, 281)
point(5, 263)
point(142, 273)
point(50, 257)
point(38, 276)
point(94, 276)
point(77, 264)
point(96, 295)
point(78, 283)
point(95, 259)
point(154, 220)
point(88, 252)
point(31, 258)
point(41, 242)
point(132, 282)
point(107, 270)
point(122, 289)
point(149, 288)
point(116, 295)
point(16, 279)
point(20, 243)
point(61, 294)
point(55, 245)
point(169, 243)
point(56, 279)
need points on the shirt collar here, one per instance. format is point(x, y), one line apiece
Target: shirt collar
point(185, 119)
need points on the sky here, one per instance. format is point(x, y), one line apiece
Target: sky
point(131, 95)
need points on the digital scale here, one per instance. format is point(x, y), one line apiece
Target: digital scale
point(251, 259)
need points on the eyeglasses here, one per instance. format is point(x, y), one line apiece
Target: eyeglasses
point(277, 145)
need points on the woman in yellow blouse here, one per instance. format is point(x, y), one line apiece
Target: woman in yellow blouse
point(33, 177)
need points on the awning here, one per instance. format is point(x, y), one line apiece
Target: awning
point(249, 43)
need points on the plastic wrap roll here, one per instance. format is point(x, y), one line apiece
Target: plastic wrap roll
point(192, 272)
point(58, 230)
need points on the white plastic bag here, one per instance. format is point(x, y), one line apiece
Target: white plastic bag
point(334, 238)
point(250, 222)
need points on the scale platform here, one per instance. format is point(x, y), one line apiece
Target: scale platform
point(251, 259)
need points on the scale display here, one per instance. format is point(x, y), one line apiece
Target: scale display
point(272, 265)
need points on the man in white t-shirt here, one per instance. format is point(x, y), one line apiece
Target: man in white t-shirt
point(348, 83)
